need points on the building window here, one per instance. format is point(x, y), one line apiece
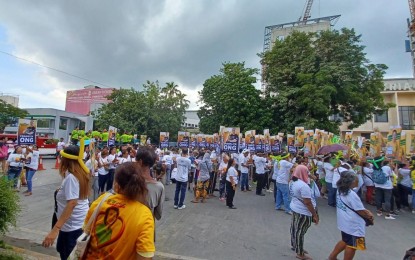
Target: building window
point(407, 117)
point(44, 123)
point(381, 116)
point(63, 124)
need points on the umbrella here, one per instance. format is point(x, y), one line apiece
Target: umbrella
point(332, 148)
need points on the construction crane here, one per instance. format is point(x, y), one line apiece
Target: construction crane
point(307, 11)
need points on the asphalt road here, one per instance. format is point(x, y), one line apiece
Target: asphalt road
point(212, 231)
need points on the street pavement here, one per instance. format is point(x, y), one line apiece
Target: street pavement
point(255, 230)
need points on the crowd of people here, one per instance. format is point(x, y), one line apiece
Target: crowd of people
point(112, 184)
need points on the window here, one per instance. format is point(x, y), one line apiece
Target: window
point(63, 123)
point(407, 117)
point(44, 123)
point(381, 116)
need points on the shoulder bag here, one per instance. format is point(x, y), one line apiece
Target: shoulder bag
point(82, 242)
point(368, 222)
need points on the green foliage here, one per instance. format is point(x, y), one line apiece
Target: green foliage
point(9, 255)
point(147, 112)
point(231, 99)
point(311, 77)
point(8, 113)
point(9, 205)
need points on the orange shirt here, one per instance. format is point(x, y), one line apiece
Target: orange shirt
point(122, 229)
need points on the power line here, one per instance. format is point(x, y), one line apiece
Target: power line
point(57, 70)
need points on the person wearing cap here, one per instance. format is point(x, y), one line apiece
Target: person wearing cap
point(243, 162)
point(72, 201)
point(32, 163)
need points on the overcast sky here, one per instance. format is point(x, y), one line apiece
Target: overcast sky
point(125, 43)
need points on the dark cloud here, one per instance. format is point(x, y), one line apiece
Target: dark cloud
point(124, 43)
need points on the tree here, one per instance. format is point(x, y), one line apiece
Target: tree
point(231, 99)
point(311, 77)
point(9, 113)
point(147, 112)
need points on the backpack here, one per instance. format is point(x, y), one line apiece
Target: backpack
point(379, 177)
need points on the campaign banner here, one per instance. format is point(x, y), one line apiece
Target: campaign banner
point(193, 141)
point(393, 144)
point(183, 139)
point(299, 137)
point(402, 147)
point(259, 143)
point(242, 144)
point(231, 139)
point(275, 144)
point(143, 139)
point(112, 134)
point(164, 140)
point(26, 133)
point(309, 147)
point(412, 144)
point(291, 144)
point(250, 140)
point(267, 146)
point(210, 142)
point(201, 141)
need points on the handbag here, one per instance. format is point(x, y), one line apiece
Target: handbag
point(82, 242)
point(368, 222)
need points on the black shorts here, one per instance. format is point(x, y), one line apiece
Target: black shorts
point(354, 242)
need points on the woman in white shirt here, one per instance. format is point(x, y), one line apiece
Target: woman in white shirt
point(32, 163)
point(303, 207)
point(404, 185)
point(103, 169)
point(350, 214)
point(15, 165)
point(72, 201)
point(231, 182)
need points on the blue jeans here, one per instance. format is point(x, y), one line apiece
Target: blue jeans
point(283, 196)
point(331, 194)
point(13, 174)
point(29, 176)
point(168, 174)
point(244, 181)
point(180, 190)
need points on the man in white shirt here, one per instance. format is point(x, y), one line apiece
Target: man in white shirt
point(243, 167)
point(282, 179)
point(260, 162)
point(61, 144)
point(183, 169)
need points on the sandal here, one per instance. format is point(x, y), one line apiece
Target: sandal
point(304, 257)
point(28, 194)
point(194, 201)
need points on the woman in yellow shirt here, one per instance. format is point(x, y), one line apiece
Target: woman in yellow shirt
point(124, 227)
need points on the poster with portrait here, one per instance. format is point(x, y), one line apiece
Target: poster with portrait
point(393, 142)
point(348, 139)
point(375, 145)
point(164, 140)
point(267, 147)
point(143, 139)
point(299, 136)
point(309, 147)
point(361, 148)
point(26, 133)
point(201, 141)
point(193, 141)
point(250, 140)
point(259, 143)
point(183, 139)
point(291, 144)
point(112, 135)
point(231, 139)
point(412, 144)
point(242, 144)
point(402, 147)
point(275, 144)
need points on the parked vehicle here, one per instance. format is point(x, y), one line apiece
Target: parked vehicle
point(46, 145)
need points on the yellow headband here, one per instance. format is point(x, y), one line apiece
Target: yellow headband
point(78, 157)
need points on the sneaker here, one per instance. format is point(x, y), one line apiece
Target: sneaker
point(379, 214)
point(289, 212)
point(389, 217)
point(175, 206)
point(413, 211)
point(182, 207)
point(393, 214)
